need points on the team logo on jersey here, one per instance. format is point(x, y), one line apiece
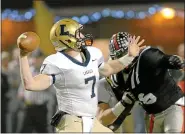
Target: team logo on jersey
point(88, 72)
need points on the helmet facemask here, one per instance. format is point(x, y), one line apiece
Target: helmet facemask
point(83, 39)
point(118, 54)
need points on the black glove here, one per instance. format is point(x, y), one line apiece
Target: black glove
point(176, 62)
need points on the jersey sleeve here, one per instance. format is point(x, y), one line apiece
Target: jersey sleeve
point(98, 55)
point(103, 94)
point(48, 68)
point(151, 59)
point(100, 60)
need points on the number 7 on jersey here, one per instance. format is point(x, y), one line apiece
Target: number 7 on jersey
point(93, 78)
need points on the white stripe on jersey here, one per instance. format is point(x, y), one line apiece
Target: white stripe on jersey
point(137, 70)
point(114, 80)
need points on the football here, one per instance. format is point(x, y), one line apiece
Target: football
point(28, 41)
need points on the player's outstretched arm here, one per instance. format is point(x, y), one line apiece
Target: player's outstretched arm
point(115, 66)
point(39, 82)
point(155, 59)
point(107, 115)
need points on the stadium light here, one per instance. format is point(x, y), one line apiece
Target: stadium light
point(168, 13)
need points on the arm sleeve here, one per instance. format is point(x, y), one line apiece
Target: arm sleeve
point(154, 58)
point(99, 57)
point(151, 58)
point(101, 61)
point(103, 94)
point(50, 69)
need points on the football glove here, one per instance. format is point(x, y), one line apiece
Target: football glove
point(176, 62)
point(128, 99)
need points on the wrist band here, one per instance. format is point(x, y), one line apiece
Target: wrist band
point(126, 60)
point(118, 109)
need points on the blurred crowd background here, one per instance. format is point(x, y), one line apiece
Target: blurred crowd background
point(160, 24)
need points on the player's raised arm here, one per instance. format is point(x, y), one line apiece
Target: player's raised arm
point(28, 42)
point(155, 59)
point(114, 66)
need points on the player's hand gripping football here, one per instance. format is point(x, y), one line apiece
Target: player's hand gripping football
point(28, 42)
point(134, 46)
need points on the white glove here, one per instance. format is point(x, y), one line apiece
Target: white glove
point(128, 98)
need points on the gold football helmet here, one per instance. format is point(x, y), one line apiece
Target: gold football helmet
point(66, 34)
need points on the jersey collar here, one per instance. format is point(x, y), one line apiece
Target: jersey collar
point(87, 56)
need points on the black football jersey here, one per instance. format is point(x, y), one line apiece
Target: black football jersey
point(151, 83)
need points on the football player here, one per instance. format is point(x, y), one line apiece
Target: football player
point(111, 112)
point(150, 83)
point(74, 71)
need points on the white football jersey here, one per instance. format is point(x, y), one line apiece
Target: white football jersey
point(76, 90)
point(105, 93)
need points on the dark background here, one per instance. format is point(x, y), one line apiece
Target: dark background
point(24, 4)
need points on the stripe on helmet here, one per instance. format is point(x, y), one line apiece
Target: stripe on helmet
point(115, 42)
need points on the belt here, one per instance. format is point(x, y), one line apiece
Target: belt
point(57, 117)
point(70, 114)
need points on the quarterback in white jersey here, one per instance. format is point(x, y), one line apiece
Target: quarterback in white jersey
point(74, 71)
point(76, 88)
